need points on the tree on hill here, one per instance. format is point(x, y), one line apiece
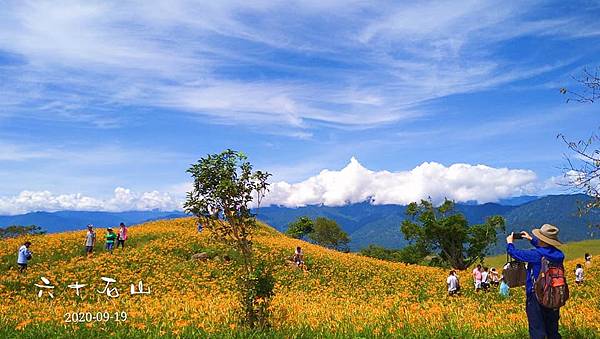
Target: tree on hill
point(380, 252)
point(225, 185)
point(409, 254)
point(441, 232)
point(300, 228)
point(327, 232)
point(17, 230)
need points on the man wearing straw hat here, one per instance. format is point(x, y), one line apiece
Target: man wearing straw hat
point(543, 322)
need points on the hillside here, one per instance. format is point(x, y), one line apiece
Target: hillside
point(341, 295)
point(380, 224)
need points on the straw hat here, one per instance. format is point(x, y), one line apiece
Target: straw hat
point(548, 234)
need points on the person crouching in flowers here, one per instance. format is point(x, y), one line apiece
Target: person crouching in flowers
point(588, 260)
point(110, 239)
point(453, 284)
point(298, 256)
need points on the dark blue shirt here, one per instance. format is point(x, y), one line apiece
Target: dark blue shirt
point(533, 258)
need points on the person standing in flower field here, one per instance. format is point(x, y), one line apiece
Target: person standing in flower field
point(453, 284)
point(24, 256)
point(494, 278)
point(485, 282)
point(543, 321)
point(477, 277)
point(579, 274)
point(122, 236)
point(90, 240)
point(111, 237)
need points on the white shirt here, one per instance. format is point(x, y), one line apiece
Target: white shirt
point(579, 274)
point(23, 253)
point(452, 282)
point(484, 276)
point(89, 238)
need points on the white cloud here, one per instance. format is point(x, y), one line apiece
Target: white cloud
point(355, 183)
point(123, 200)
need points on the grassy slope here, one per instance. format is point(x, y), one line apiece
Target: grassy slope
point(573, 251)
point(341, 295)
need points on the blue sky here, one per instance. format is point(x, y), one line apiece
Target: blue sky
point(103, 105)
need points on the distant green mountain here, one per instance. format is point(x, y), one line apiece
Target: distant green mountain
point(62, 221)
point(365, 223)
point(559, 210)
point(380, 224)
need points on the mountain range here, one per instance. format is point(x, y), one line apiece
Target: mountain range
point(380, 224)
point(364, 222)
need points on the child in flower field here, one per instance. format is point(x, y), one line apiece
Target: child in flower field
point(579, 274)
point(477, 277)
point(110, 239)
point(504, 289)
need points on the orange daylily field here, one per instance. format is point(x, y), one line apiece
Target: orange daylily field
point(340, 295)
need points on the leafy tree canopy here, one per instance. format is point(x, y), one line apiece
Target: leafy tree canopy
point(328, 233)
point(443, 233)
point(300, 228)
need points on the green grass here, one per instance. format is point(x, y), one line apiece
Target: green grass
point(573, 250)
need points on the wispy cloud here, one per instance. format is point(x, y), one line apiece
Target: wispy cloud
point(105, 154)
point(231, 62)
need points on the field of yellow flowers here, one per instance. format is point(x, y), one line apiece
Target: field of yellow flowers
point(340, 295)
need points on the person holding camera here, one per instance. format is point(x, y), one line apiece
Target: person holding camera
point(24, 256)
point(543, 321)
